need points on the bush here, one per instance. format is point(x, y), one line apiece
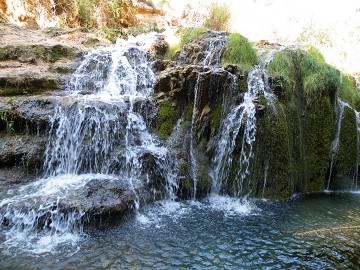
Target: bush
point(239, 51)
point(86, 11)
point(218, 17)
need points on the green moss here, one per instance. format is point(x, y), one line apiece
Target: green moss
point(172, 51)
point(188, 111)
point(348, 91)
point(187, 35)
point(272, 157)
point(282, 67)
point(319, 79)
point(347, 153)
point(16, 91)
point(190, 34)
point(319, 120)
point(112, 34)
point(239, 51)
point(316, 54)
point(4, 53)
point(57, 52)
point(168, 115)
point(215, 118)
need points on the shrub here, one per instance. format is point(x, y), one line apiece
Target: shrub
point(239, 51)
point(86, 11)
point(218, 17)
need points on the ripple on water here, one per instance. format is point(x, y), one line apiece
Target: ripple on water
point(188, 235)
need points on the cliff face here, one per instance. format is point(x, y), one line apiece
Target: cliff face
point(273, 131)
point(75, 13)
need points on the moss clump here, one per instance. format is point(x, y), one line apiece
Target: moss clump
point(5, 51)
point(319, 120)
point(172, 51)
point(168, 115)
point(272, 162)
point(347, 155)
point(16, 91)
point(188, 111)
point(319, 79)
point(58, 51)
point(30, 54)
point(348, 92)
point(239, 51)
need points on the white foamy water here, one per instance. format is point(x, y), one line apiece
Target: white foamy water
point(101, 134)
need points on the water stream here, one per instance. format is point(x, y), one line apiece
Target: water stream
point(339, 110)
point(241, 115)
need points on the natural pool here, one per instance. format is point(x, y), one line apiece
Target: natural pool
point(308, 232)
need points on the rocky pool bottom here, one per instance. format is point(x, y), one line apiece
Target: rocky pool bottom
point(308, 232)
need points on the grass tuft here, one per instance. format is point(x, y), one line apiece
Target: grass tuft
point(218, 17)
point(239, 51)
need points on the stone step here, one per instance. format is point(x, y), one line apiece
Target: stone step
point(36, 52)
point(18, 78)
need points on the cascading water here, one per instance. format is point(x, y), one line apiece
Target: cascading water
point(340, 107)
point(213, 51)
point(194, 165)
point(101, 136)
point(240, 115)
point(356, 174)
point(214, 46)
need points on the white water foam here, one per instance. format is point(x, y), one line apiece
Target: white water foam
point(101, 135)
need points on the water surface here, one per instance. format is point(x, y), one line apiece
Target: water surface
point(309, 232)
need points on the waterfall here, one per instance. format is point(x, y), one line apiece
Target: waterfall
point(193, 160)
point(242, 115)
point(356, 174)
point(99, 136)
point(213, 46)
point(339, 110)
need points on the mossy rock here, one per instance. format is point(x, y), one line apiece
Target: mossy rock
point(319, 119)
point(168, 114)
point(346, 159)
point(27, 85)
point(31, 53)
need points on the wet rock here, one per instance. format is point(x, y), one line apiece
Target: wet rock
point(161, 65)
point(160, 47)
point(194, 52)
point(104, 197)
